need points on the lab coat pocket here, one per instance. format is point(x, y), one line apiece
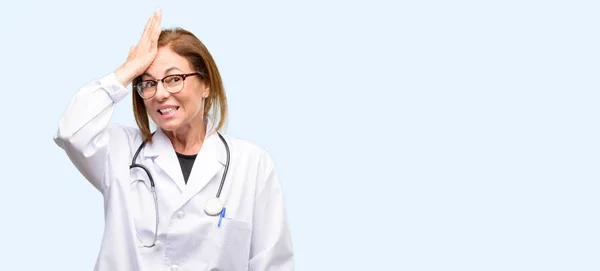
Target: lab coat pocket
point(232, 240)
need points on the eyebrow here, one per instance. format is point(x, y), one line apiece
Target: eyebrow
point(166, 71)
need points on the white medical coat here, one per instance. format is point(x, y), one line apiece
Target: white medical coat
point(254, 234)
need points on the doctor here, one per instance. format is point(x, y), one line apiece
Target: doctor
point(184, 197)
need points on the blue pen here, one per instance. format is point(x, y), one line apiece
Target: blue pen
point(221, 216)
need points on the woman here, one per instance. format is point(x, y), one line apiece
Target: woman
point(184, 197)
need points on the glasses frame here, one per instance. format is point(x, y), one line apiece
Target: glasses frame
point(162, 80)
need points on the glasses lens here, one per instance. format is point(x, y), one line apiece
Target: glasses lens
point(146, 89)
point(174, 83)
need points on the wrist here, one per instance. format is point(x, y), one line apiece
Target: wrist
point(125, 75)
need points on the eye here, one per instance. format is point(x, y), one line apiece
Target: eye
point(173, 79)
point(147, 84)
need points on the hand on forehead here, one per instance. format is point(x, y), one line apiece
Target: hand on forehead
point(167, 62)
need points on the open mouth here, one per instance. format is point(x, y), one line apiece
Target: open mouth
point(167, 110)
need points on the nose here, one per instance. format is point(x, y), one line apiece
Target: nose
point(161, 93)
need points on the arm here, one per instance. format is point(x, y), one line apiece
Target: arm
point(82, 129)
point(271, 247)
point(82, 132)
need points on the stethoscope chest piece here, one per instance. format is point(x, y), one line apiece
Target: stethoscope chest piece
point(213, 206)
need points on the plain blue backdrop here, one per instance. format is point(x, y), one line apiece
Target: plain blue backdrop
point(409, 135)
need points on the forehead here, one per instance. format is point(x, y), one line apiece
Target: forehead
point(167, 59)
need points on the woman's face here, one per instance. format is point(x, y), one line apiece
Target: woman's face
point(171, 111)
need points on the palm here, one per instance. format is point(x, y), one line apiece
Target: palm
point(143, 53)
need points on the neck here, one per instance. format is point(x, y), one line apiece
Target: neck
point(187, 139)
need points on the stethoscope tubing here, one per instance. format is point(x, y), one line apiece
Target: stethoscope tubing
point(134, 165)
point(153, 189)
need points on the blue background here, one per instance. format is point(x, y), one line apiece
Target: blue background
point(409, 135)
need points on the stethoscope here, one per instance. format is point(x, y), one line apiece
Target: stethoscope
point(212, 207)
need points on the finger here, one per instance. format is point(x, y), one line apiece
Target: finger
point(158, 19)
point(155, 20)
point(158, 13)
point(131, 53)
point(158, 27)
point(153, 39)
point(149, 25)
point(155, 30)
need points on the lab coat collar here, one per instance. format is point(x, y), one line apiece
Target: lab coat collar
point(209, 161)
point(161, 144)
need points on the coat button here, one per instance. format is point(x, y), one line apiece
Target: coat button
point(180, 214)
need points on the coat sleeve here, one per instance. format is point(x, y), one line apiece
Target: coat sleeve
point(271, 247)
point(83, 127)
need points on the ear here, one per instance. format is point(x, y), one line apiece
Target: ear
point(206, 92)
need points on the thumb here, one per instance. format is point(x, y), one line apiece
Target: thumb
point(130, 54)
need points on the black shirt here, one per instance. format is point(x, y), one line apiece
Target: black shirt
point(186, 162)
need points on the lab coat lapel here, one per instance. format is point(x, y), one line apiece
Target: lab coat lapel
point(207, 164)
point(166, 158)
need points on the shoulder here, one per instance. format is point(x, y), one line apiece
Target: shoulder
point(123, 136)
point(250, 151)
point(124, 130)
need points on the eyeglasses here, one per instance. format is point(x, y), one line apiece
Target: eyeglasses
point(172, 83)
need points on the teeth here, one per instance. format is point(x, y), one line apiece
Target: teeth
point(167, 110)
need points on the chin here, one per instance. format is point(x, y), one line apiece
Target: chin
point(167, 125)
